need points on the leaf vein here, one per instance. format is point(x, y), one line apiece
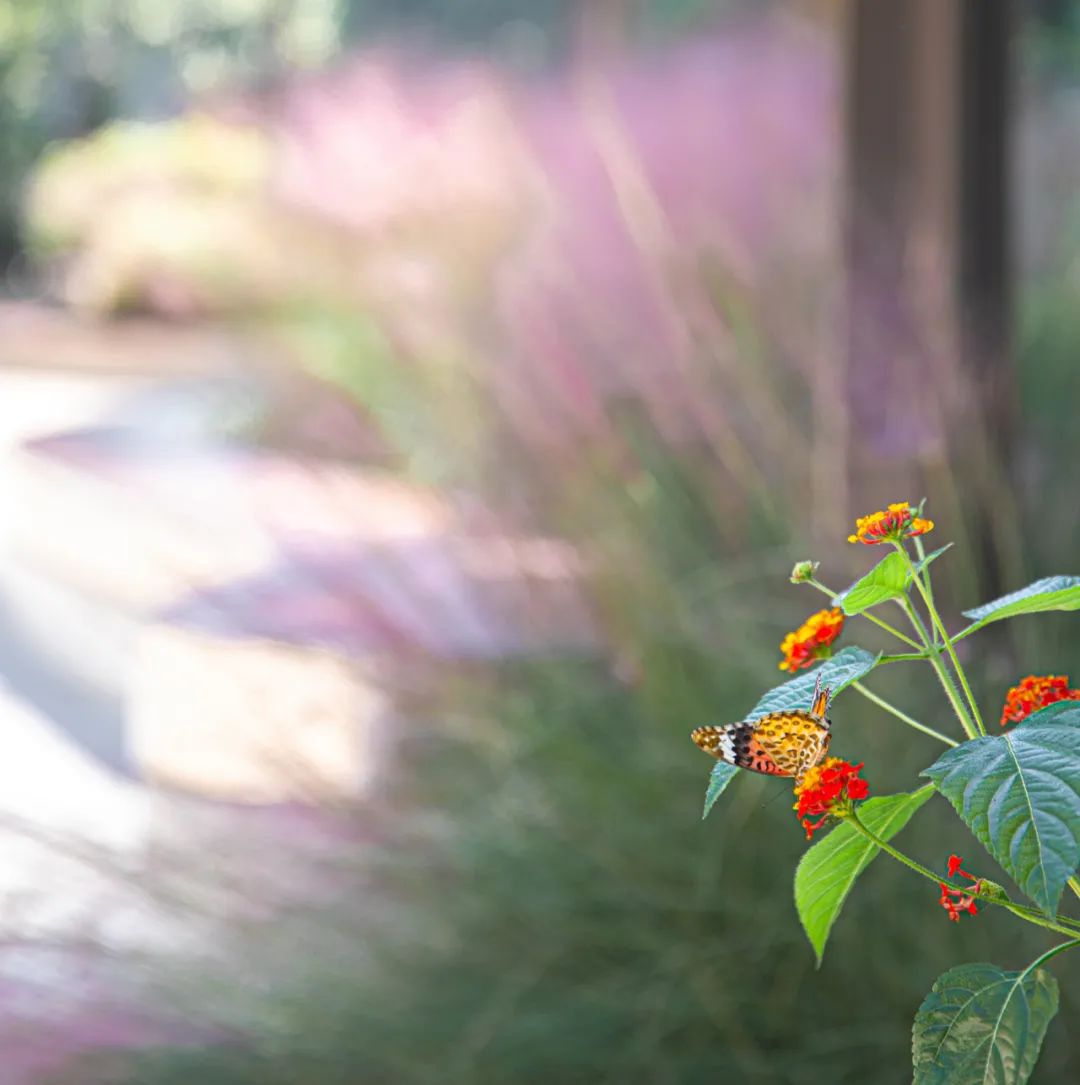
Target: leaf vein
point(1034, 824)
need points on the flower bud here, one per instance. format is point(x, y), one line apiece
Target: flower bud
point(804, 571)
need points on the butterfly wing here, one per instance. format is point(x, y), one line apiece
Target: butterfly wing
point(737, 744)
point(822, 697)
point(778, 744)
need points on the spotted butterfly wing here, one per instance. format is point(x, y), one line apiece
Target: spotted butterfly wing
point(785, 743)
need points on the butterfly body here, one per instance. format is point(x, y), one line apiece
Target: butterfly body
point(789, 742)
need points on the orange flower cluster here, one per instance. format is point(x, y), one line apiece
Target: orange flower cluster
point(896, 523)
point(1033, 693)
point(955, 901)
point(812, 640)
point(827, 790)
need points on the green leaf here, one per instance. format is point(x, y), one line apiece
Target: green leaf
point(1050, 593)
point(889, 579)
point(847, 666)
point(886, 580)
point(1019, 793)
point(933, 556)
point(721, 775)
point(980, 1025)
point(828, 870)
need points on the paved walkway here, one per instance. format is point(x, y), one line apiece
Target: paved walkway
point(97, 872)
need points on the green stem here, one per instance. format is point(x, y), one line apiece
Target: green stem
point(1053, 952)
point(1062, 926)
point(888, 628)
point(920, 550)
point(1019, 910)
point(1074, 885)
point(870, 696)
point(934, 659)
point(867, 615)
point(903, 657)
point(936, 621)
point(928, 645)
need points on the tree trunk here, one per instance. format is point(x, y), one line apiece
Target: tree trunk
point(929, 262)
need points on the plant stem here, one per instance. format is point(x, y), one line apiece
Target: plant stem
point(935, 620)
point(899, 856)
point(925, 574)
point(917, 624)
point(903, 657)
point(1074, 885)
point(1050, 953)
point(1020, 910)
point(888, 628)
point(870, 696)
point(934, 658)
point(867, 615)
point(1035, 917)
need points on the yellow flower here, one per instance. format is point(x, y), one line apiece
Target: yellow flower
point(896, 523)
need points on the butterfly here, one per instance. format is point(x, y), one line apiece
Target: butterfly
point(785, 743)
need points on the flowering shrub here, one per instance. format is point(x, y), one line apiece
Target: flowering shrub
point(1017, 791)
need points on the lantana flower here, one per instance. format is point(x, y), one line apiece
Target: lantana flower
point(896, 523)
point(828, 790)
point(1033, 693)
point(955, 901)
point(812, 640)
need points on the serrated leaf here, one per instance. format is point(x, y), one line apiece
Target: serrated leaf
point(886, 580)
point(1050, 593)
point(847, 666)
point(828, 869)
point(1019, 793)
point(722, 774)
point(980, 1025)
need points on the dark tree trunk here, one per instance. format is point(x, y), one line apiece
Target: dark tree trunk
point(929, 260)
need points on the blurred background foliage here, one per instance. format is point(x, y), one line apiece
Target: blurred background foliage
point(536, 899)
point(67, 68)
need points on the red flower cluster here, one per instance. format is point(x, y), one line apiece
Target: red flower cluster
point(955, 901)
point(1033, 693)
point(827, 790)
point(894, 524)
point(812, 640)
